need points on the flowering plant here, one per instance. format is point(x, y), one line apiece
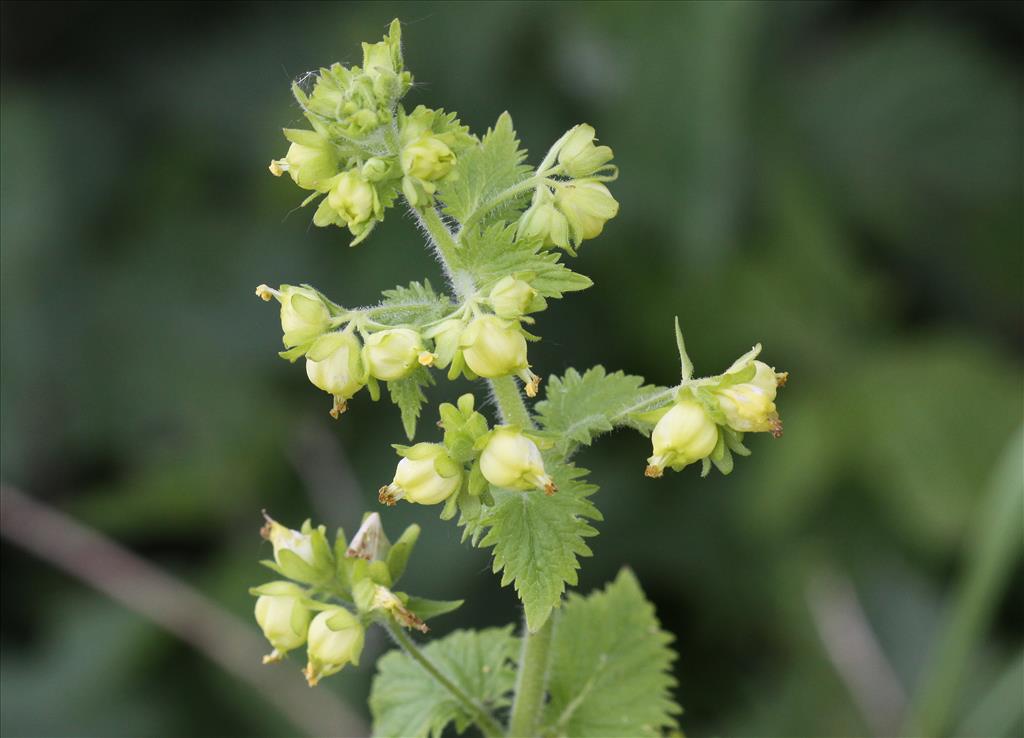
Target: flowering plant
point(501, 229)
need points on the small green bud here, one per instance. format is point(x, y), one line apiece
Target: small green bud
point(685, 434)
point(283, 617)
point(304, 314)
point(427, 158)
point(513, 461)
point(543, 220)
point(511, 297)
point(587, 205)
point(382, 63)
point(750, 407)
point(391, 354)
point(427, 475)
point(353, 199)
point(333, 364)
point(335, 639)
point(578, 155)
point(375, 169)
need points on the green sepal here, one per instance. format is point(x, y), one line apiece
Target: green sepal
point(380, 573)
point(734, 440)
point(362, 594)
point(293, 353)
point(277, 589)
point(400, 551)
point(272, 565)
point(373, 387)
point(425, 609)
point(477, 482)
point(685, 364)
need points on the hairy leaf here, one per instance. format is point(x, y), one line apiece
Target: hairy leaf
point(611, 666)
point(406, 701)
point(408, 394)
point(414, 305)
point(576, 408)
point(538, 539)
point(491, 253)
point(484, 171)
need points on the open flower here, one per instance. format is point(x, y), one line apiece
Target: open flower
point(495, 347)
point(335, 640)
point(750, 407)
point(685, 434)
point(333, 364)
point(513, 461)
point(426, 475)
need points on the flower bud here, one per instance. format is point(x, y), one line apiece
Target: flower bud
point(302, 555)
point(335, 639)
point(310, 162)
point(393, 353)
point(493, 347)
point(578, 155)
point(283, 617)
point(304, 314)
point(375, 169)
point(426, 475)
point(427, 158)
point(685, 434)
point(587, 205)
point(369, 542)
point(513, 461)
point(353, 199)
point(333, 365)
point(544, 221)
point(511, 297)
point(750, 407)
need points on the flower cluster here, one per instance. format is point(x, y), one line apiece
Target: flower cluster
point(306, 610)
point(471, 457)
point(352, 157)
point(709, 416)
point(566, 212)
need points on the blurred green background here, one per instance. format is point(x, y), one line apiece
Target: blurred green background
point(841, 182)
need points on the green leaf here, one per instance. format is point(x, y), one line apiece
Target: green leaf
point(577, 408)
point(538, 539)
point(611, 666)
point(484, 171)
point(415, 305)
point(406, 701)
point(408, 394)
point(491, 253)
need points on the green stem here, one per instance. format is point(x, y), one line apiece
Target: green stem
point(991, 553)
point(510, 402)
point(484, 720)
point(534, 660)
point(531, 681)
point(514, 191)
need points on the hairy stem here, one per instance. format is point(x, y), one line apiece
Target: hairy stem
point(534, 659)
point(531, 680)
point(484, 720)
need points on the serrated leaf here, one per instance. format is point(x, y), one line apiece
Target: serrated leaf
point(611, 666)
point(538, 539)
point(484, 171)
point(578, 407)
point(408, 394)
point(415, 305)
point(489, 254)
point(406, 701)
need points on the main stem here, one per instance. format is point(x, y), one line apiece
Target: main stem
point(481, 717)
point(534, 659)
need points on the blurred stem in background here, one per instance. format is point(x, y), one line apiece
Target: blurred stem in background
point(171, 604)
point(993, 546)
